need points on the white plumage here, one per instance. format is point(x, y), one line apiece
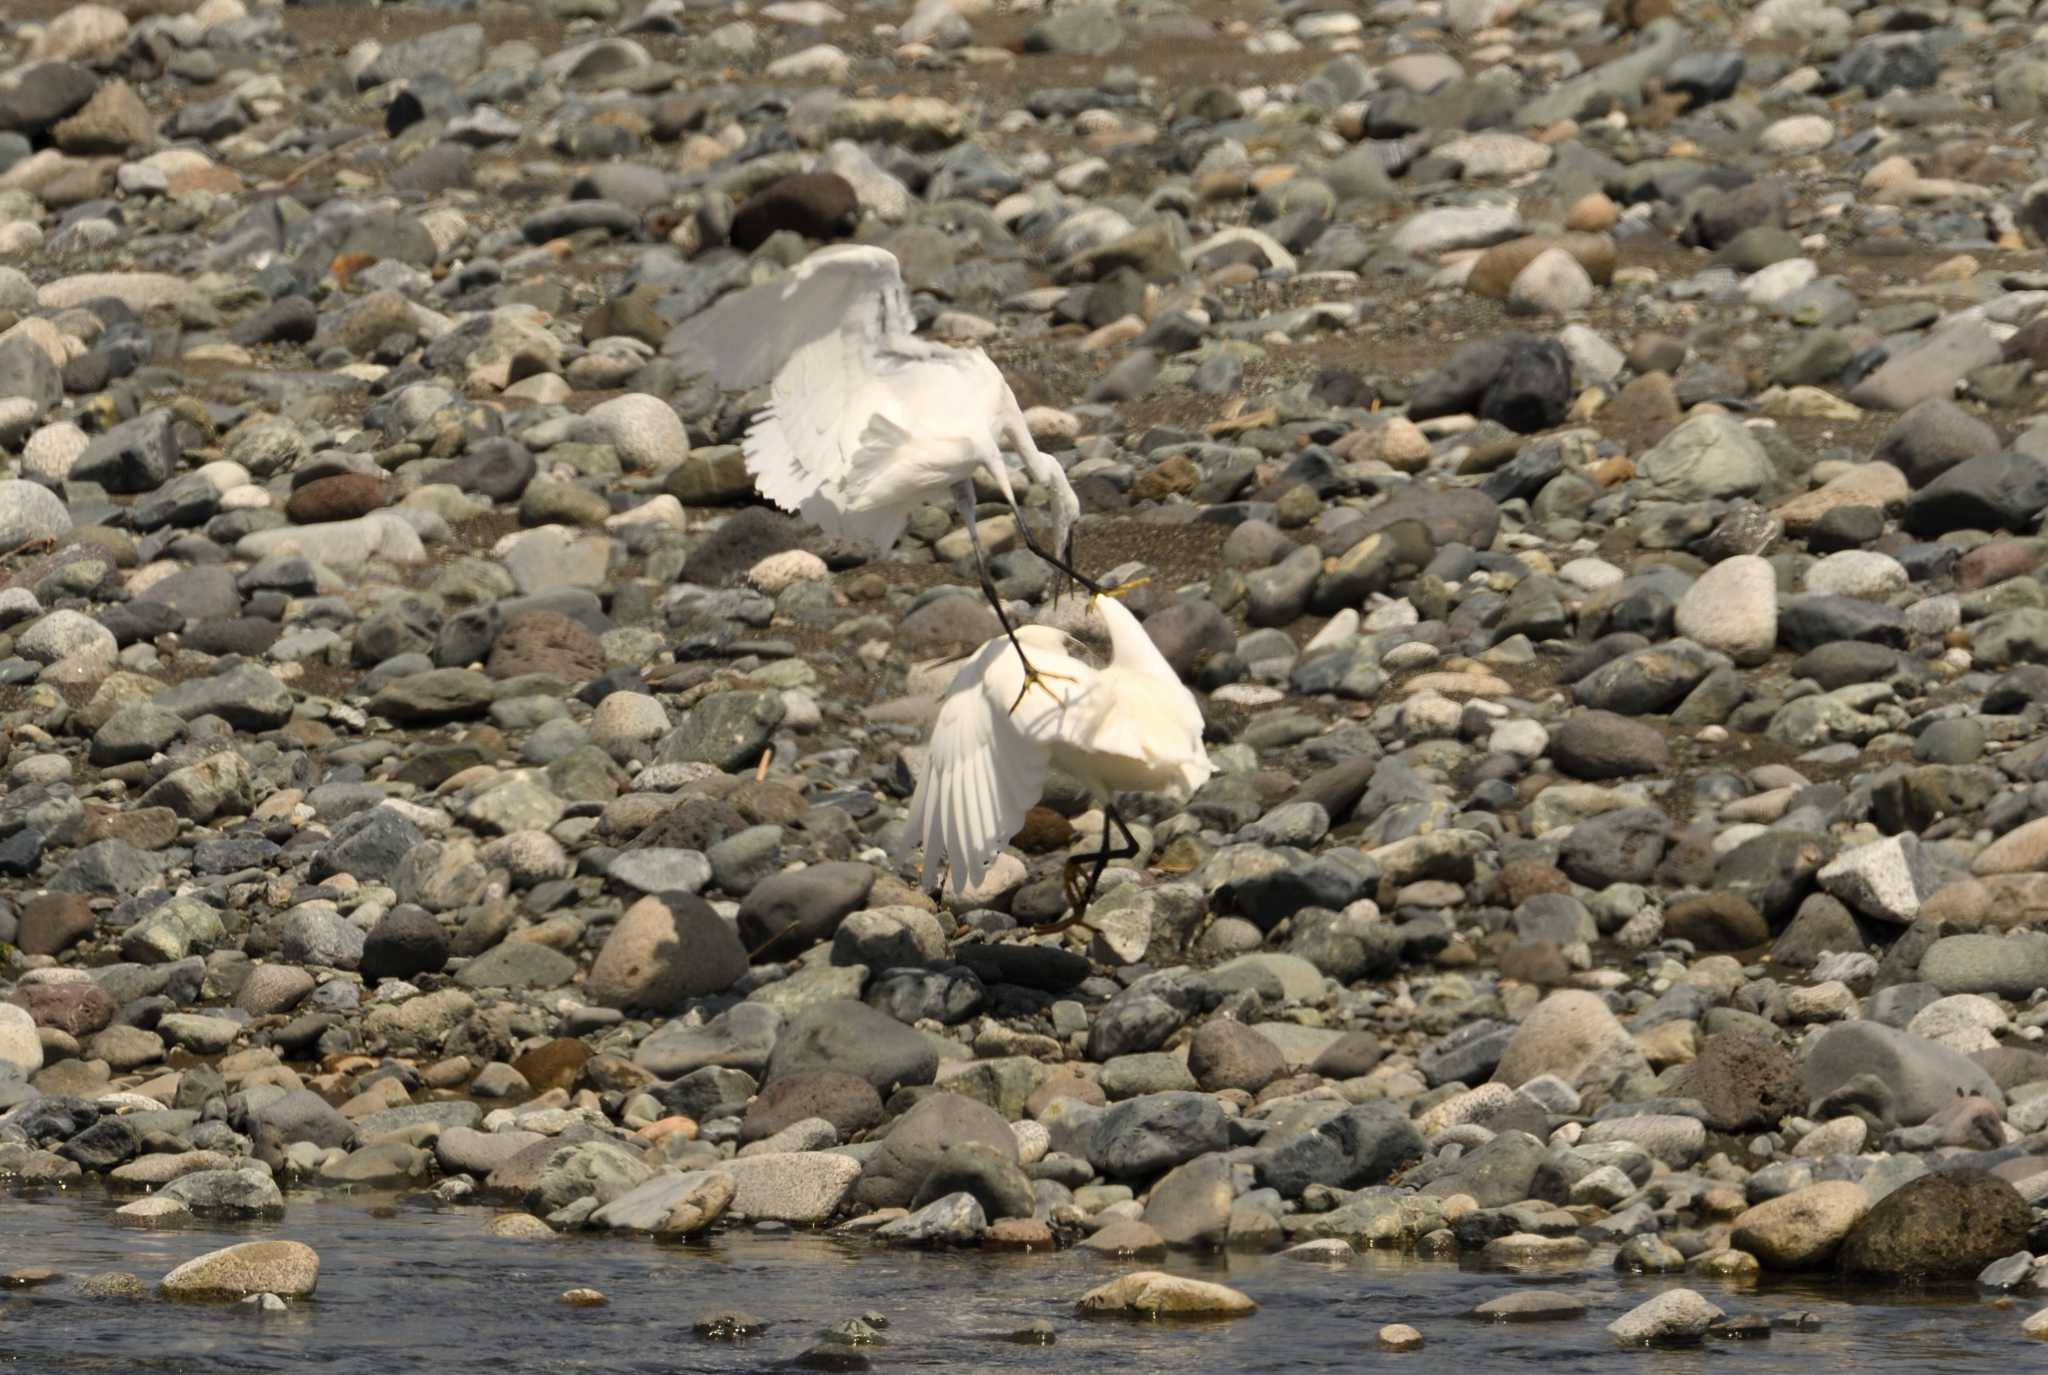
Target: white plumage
point(865, 420)
point(1130, 726)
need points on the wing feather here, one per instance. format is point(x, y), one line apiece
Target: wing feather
point(746, 336)
point(981, 776)
point(773, 463)
point(1157, 719)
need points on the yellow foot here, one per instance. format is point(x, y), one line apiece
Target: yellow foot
point(1120, 589)
point(1034, 678)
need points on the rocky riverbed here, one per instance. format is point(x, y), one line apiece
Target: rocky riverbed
point(1583, 460)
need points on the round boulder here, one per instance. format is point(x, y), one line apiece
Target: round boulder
point(1227, 1054)
point(849, 1102)
point(1803, 1229)
point(1949, 1224)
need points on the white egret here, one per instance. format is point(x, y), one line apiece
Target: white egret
point(1130, 726)
point(866, 421)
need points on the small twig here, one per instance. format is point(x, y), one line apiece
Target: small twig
point(761, 769)
point(330, 155)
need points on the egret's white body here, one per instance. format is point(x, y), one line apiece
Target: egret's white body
point(865, 420)
point(1130, 726)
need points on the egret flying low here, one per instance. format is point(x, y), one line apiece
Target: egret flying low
point(1129, 726)
point(866, 421)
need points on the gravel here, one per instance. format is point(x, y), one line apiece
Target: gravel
point(1605, 549)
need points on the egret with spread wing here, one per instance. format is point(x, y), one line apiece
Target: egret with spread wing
point(865, 420)
point(1130, 726)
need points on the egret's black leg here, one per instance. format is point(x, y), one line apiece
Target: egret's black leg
point(1063, 566)
point(1080, 895)
point(995, 600)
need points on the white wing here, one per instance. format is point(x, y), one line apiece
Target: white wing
point(1156, 719)
point(748, 335)
point(987, 765)
point(819, 334)
point(856, 440)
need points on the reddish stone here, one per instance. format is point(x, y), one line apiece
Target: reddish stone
point(79, 1009)
point(1994, 562)
point(343, 496)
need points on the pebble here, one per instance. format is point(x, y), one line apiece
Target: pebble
point(419, 741)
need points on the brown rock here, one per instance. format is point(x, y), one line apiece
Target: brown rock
point(817, 205)
point(1064, 1084)
point(53, 923)
point(1500, 265)
point(145, 828)
point(1952, 1223)
point(1721, 215)
point(695, 823)
point(2030, 342)
point(556, 1065)
point(1017, 1234)
point(1996, 902)
point(1716, 921)
point(546, 642)
point(1522, 879)
point(367, 322)
point(1539, 963)
point(113, 122)
point(79, 181)
point(1648, 402)
point(222, 181)
point(1869, 484)
point(1746, 1081)
point(1175, 476)
point(665, 951)
point(949, 621)
point(1803, 1229)
point(1592, 213)
point(1045, 831)
point(1637, 14)
point(1227, 1054)
point(767, 803)
point(1349, 1056)
point(631, 316)
point(343, 496)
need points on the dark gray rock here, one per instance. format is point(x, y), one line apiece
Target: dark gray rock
point(853, 1038)
point(919, 1140)
point(791, 911)
point(2000, 491)
point(1359, 1147)
point(1621, 846)
point(1145, 1136)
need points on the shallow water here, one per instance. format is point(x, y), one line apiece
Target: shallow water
point(427, 1289)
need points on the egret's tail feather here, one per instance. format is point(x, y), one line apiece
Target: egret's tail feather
point(878, 528)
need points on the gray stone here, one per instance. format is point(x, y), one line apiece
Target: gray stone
point(1142, 1137)
point(1355, 1149)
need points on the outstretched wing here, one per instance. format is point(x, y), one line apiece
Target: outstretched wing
point(822, 337)
point(986, 766)
point(747, 336)
point(1158, 719)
